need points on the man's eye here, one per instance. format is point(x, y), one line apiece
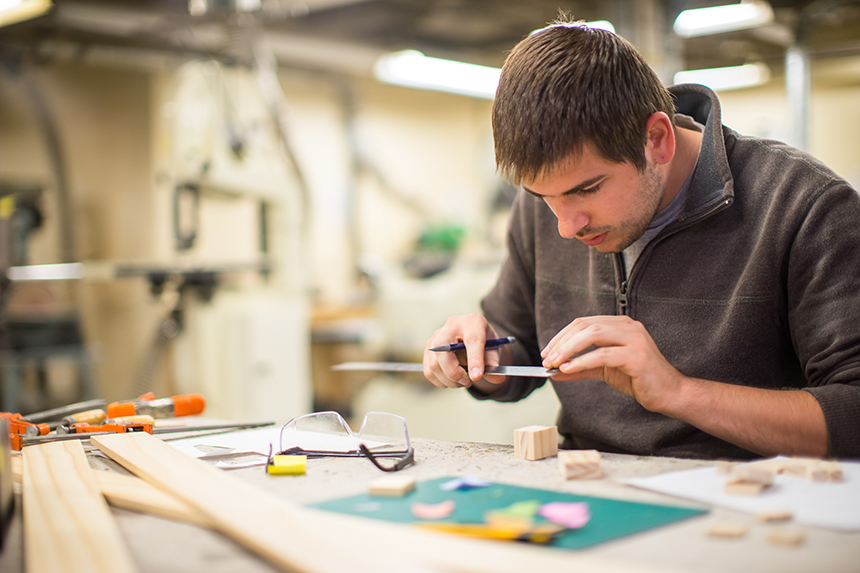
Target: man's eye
point(591, 190)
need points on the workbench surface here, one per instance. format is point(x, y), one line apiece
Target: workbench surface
point(160, 545)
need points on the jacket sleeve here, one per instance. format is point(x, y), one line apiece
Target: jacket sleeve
point(824, 310)
point(510, 305)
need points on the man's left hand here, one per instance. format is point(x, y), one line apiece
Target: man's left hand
point(625, 357)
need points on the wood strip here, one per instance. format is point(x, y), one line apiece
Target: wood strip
point(271, 527)
point(132, 493)
point(68, 526)
point(129, 492)
point(305, 540)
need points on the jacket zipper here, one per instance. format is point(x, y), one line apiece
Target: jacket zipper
point(623, 290)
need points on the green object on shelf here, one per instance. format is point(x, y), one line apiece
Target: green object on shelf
point(610, 518)
point(445, 238)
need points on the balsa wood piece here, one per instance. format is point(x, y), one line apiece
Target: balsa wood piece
point(129, 492)
point(775, 515)
point(753, 473)
point(776, 465)
point(396, 485)
point(743, 488)
point(833, 470)
point(68, 526)
point(535, 442)
point(580, 464)
point(800, 467)
point(727, 530)
point(785, 537)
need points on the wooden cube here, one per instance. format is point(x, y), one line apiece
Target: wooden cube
point(580, 464)
point(535, 442)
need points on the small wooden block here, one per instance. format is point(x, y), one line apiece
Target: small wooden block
point(753, 473)
point(776, 465)
point(392, 486)
point(724, 467)
point(743, 488)
point(834, 471)
point(727, 530)
point(787, 538)
point(800, 467)
point(819, 473)
point(535, 442)
point(775, 515)
point(580, 464)
point(288, 465)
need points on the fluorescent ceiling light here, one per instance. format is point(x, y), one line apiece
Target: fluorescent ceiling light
point(413, 69)
point(717, 19)
point(722, 79)
point(14, 11)
point(49, 272)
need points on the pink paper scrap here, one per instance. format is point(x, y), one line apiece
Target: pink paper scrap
point(433, 510)
point(572, 515)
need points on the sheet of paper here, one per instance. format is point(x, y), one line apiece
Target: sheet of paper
point(831, 505)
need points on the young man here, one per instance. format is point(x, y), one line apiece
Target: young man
point(699, 290)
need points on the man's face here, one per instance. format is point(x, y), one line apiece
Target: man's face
point(605, 205)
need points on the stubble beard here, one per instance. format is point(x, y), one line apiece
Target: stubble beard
point(647, 199)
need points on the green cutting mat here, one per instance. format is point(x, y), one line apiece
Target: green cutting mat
point(610, 518)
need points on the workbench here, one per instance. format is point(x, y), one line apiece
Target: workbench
point(159, 545)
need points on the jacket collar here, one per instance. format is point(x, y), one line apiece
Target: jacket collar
point(712, 185)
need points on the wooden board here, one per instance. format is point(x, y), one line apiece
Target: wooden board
point(273, 528)
point(129, 492)
point(300, 539)
point(68, 526)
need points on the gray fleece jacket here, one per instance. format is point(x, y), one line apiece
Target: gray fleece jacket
point(757, 283)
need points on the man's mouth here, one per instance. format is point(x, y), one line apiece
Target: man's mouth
point(593, 240)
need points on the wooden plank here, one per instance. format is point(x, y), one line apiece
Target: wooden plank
point(132, 493)
point(301, 539)
point(129, 492)
point(68, 526)
point(273, 528)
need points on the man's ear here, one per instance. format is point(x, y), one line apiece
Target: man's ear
point(660, 142)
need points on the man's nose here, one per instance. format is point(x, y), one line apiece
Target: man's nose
point(570, 221)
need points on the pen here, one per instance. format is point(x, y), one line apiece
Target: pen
point(492, 343)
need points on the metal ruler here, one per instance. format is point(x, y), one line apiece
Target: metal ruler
point(527, 371)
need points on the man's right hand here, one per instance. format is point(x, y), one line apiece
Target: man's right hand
point(449, 369)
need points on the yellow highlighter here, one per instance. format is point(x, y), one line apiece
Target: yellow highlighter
point(287, 465)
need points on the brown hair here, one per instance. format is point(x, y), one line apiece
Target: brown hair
point(568, 86)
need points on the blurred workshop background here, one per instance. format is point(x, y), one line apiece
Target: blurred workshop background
point(231, 196)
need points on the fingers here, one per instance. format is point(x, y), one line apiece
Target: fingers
point(583, 333)
point(443, 369)
point(446, 369)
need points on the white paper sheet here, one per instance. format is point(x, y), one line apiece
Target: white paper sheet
point(831, 505)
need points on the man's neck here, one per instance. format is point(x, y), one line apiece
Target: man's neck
point(687, 144)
